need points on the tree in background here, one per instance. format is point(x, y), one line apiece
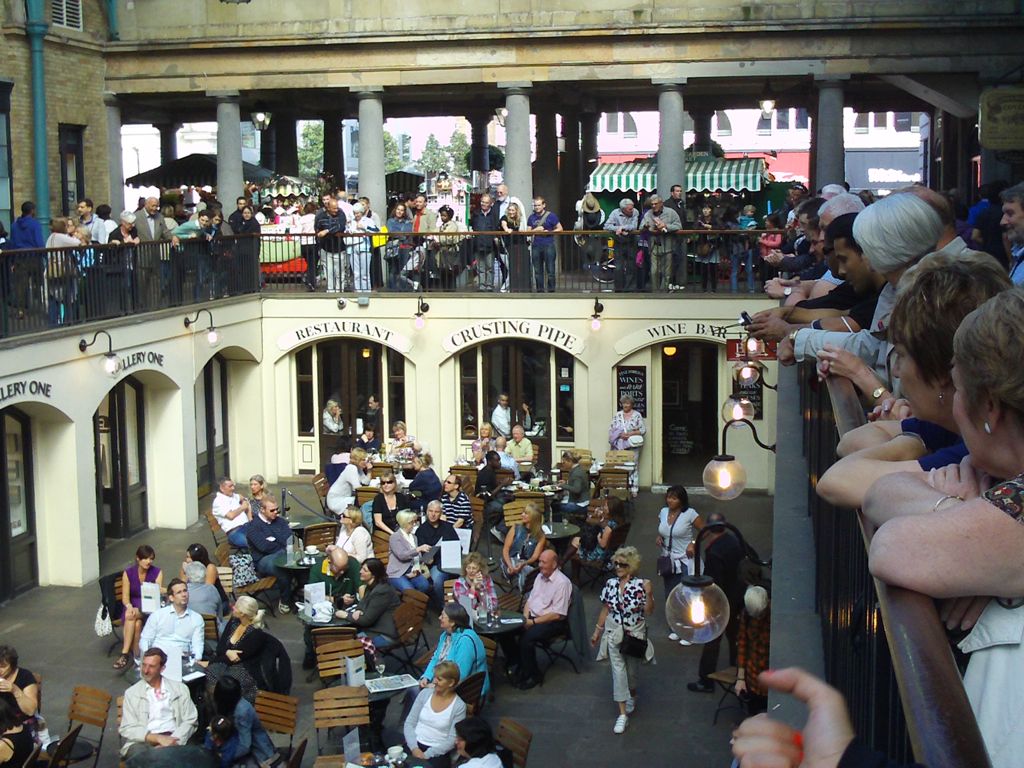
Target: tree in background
point(495, 158)
point(458, 153)
point(434, 158)
point(392, 157)
point(311, 149)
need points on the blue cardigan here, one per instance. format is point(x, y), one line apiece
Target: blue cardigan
point(468, 652)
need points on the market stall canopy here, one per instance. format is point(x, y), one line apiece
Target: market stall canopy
point(701, 174)
point(406, 181)
point(196, 170)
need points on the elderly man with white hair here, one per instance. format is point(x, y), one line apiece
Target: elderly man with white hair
point(125, 234)
point(624, 222)
point(360, 249)
point(894, 234)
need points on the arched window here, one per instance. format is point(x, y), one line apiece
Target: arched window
point(722, 123)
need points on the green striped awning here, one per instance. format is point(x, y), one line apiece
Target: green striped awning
point(701, 174)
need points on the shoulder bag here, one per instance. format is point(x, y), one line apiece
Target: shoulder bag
point(630, 645)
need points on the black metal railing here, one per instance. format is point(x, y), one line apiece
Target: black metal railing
point(885, 647)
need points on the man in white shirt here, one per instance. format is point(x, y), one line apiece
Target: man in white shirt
point(501, 416)
point(157, 712)
point(232, 512)
point(175, 626)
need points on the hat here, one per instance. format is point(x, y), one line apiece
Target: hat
point(590, 204)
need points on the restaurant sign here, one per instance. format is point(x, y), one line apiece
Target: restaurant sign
point(15, 390)
point(1001, 118)
point(357, 328)
point(673, 330)
point(523, 329)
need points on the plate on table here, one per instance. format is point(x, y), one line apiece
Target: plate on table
point(549, 488)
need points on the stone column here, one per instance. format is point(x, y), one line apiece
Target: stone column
point(287, 145)
point(588, 146)
point(115, 152)
point(545, 176)
point(569, 176)
point(334, 147)
point(268, 148)
point(518, 175)
point(229, 147)
point(479, 157)
point(169, 141)
point(830, 157)
point(671, 159)
point(701, 129)
point(371, 148)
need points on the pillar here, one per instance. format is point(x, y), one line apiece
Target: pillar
point(830, 156)
point(230, 179)
point(671, 157)
point(115, 169)
point(286, 144)
point(572, 185)
point(334, 148)
point(371, 148)
point(518, 175)
point(169, 141)
point(701, 129)
point(479, 156)
point(36, 28)
point(545, 176)
point(588, 146)
point(268, 147)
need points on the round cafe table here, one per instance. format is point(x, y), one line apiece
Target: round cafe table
point(508, 621)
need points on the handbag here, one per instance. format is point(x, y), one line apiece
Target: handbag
point(665, 561)
point(630, 645)
point(243, 569)
point(102, 625)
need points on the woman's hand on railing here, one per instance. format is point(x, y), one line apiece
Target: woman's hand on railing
point(891, 409)
point(761, 742)
point(961, 480)
point(962, 612)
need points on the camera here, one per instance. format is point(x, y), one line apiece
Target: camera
point(342, 302)
point(745, 318)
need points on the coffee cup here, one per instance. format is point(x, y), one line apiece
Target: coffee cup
point(396, 753)
point(311, 549)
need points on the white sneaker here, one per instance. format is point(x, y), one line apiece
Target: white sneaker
point(630, 706)
point(684, 642)
point(620, 724)
point(673, 636)
point(283, 607)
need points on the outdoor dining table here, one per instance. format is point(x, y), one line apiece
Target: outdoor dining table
point(508, 621)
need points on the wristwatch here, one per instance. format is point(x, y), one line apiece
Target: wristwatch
point(877, 392)
point(792, 336)
point(787, 292)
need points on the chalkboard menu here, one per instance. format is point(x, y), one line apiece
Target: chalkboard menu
point(678, 440)
point(632, 380)
point(754, 391)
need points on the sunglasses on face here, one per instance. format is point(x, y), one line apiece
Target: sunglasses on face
point(620, 565)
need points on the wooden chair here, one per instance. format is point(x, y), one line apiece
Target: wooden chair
point(320, 535)
point(618, 458)
point(321, 486)
point(295, 761)
point(556, 646)
point(477, 505)
point(586, 457)
point(409, 623)
point(88, 706)
point(258, 590)
point(589, 572)
point(536, 454)
point(726, 680)
point(449, 591)
point(514, 511)
point(210, 631)
point(365, 493)
point(379, 470)
point(491, 648)
point(613, 482)
point(516, 739)
point(471, 691)
point(342, 706)
point(381, 546)
point(279, 714)
point(330, 657)
point(219, 537)
point(468, 474)
point(223, 554)
point(511, 601)
point(60, 756)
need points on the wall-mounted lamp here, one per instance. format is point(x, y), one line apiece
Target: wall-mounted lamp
point(260, 116)
point(669, 350)
point(724, 477)
point(767, 100)
point(111, 363)
point(697, 609)
point(748, 372)
point(736, 409)
point(366, 353)
point(595, 319)
point(754, 346)
point(421, 309)
point(501, 114)
point(212, 334)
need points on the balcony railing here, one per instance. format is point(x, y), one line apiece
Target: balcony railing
point(885, 647)
point(49, 288)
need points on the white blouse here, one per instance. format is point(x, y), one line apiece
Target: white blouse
point(357, 544)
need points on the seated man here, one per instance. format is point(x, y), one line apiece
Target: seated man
point(506, 459)
point(576, 486)
point(487, 487)
point(203, 598)
point(520, 449)
point(231, 511)
point(267, 535)
point(157, 712)
point(175, 626)
point(433, 532)
point(545, 615)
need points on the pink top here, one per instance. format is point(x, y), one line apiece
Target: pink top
point(769, 243)
point(550, 595)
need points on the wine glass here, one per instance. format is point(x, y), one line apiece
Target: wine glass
point(378, 664)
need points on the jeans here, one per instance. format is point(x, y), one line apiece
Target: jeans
point(237, 537)
point(437, 580)
point(265, 567)
point(746, 258)
point(543, 258)
point(485, 269)
point(419, 582)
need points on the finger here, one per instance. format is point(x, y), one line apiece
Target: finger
point(806, 687)
point(766, 753)
point(764, 726)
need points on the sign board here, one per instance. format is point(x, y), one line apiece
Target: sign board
point(678, 440)
point(632, 380)
point(753, 391)
point(735, 350)
point(1001, 120)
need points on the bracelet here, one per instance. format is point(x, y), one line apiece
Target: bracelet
point(944, 499)
point(599, 628)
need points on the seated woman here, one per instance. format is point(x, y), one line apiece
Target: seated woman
point(426, 482)
point(956, 532)
point(523, 544)
point(476, 584)
point(455, 504)
point(250, 739)
point(388, 503)
point(483, 443)
point(474, 742)
point(239, 648)
point(592, 543)
point(342, 450)
point(430, 727)
point(332, 420)
point(369, 440)
point(18, 687)
point(576, 486)
point(372, 611)
point(131, 598)
point(458, 643)
point(342, 493)
point(403, 444)
point(933, 298)
point(197, 553)
point(404, 568)
point(258, 491)
point(353, 538)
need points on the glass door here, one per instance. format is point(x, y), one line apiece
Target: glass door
point(350, 378)
point(72, 166)
point(211, 397)
point(119, 439)
point(18, 566)
point(522, 370)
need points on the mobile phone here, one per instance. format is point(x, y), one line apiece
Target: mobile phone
point(745, 318)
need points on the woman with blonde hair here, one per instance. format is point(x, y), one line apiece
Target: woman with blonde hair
point(240, 647)
point(388, 503)
point(621, 632)
point(426, 482)
point(353, 538)
point(332, 420)
point(342, 493)
point(476, 584)
point(523, 544)
point(483, 443)
point(430, 727)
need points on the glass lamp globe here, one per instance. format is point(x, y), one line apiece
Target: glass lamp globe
point(737, 407)
point(746, 372)
point(697, 610)
point(213, 337)
point(724, 477)
point(754, 346)
point(111, 364)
